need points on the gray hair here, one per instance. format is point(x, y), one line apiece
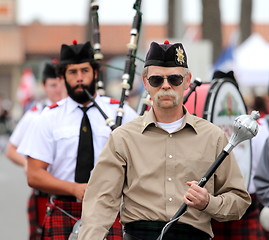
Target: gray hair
point(145, 72)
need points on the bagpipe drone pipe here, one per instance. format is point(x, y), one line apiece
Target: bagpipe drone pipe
point(130, 65)
point(98, 56)
point(130, 62)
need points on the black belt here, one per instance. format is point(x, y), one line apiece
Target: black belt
point(139, 230)
point(127, 236)
point(65, 198)
point(40, 194)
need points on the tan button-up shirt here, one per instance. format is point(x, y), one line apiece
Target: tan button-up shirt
point(144, 169)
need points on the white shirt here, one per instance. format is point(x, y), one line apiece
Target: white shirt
point(55, 136)
point(171, 127)
point(25, 124)
point(257, 144)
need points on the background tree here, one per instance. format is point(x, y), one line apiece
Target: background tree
point(245, 19)
point(211, 25)
point(175, 28)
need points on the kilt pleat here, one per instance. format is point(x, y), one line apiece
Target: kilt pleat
point(36, 214)
point(58, 225)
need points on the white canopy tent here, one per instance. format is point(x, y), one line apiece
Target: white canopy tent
point(251, 62)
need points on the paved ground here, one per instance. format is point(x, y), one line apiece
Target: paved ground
point(13, 200)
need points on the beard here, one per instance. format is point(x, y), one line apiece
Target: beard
point(81, 97)
point(163, 93)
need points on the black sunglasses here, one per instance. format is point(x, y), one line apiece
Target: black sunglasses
point(173, 79)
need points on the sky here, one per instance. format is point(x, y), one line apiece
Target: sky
point(119, 11)
point(66, 12)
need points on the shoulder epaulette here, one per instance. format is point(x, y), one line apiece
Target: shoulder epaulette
point(34, 108)
point(259, 122)
point(54, 105)
point(114, 101)
point(148, 108)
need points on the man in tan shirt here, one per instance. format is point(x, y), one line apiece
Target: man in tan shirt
point(151, 166)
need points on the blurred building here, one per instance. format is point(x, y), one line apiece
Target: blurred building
point(12, 53)
point(31, 45)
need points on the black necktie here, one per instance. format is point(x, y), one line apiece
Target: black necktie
point(85, 158)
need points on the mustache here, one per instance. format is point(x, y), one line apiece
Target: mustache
point(168, 93)
point(79, 85)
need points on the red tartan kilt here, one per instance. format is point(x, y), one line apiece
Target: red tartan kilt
point(41, 208)
point(36, 214)
point(248, 228)
point(58, 225)
point(115, 232)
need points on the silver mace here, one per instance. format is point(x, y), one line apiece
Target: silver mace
point(74, 233)
point(245, 127)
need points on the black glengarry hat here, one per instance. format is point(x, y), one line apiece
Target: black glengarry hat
point(166, 55)
point(49, 71)
point(76, 53)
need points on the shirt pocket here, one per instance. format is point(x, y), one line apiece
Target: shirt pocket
point(65, 133)
point(66, 140)
point(102, 133)
point(196, 168)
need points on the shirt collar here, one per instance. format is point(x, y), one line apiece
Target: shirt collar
point(47, 102)
point(73, 105)
point(189, 120)
point(149, 119)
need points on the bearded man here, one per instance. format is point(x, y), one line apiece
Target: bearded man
point(67, 140)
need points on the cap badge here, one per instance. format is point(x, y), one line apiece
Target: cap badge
point(180, 55)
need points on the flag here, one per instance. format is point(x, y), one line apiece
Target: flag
point(225, 62)
point(27, 86)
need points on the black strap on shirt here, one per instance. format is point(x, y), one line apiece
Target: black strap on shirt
point(85, 156)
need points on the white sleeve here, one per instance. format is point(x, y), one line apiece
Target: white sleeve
point(24, 147)
point(21, 128)
point(261, 178)
point(39, 143)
